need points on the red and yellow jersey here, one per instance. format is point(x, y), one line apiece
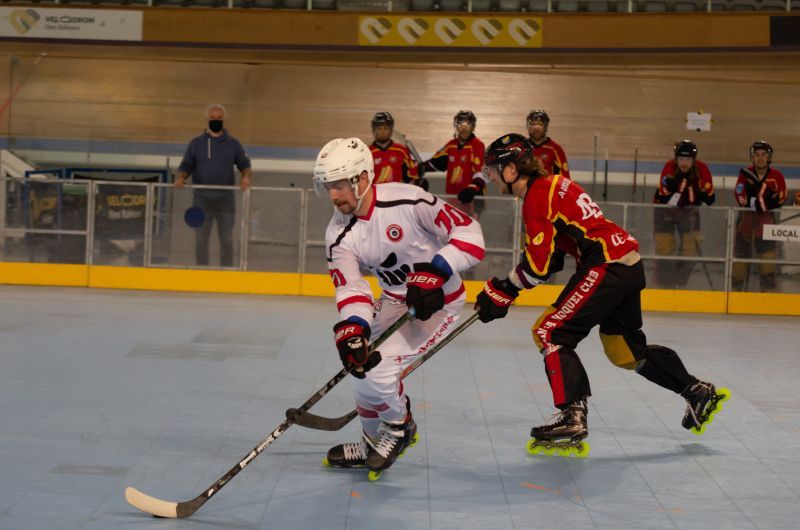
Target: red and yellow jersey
point(760, 194)
point(461, 161)
point(561, 218)
point(695, 186)
point(393, 163)
point(552, 156)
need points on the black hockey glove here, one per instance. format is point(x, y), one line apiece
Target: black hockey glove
point(352, 341)
point(424, 291)
point(468, 194)
point(492, 303)
point(422, 183)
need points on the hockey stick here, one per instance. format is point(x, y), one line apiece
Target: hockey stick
point(322, 423)
point(397, 135)
point(179, 510)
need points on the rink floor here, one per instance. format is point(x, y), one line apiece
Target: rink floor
point(103, 389)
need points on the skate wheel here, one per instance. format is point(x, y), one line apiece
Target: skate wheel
point(532, 447)
point(581, 450)
point(374, 475)
point(326, 463)
point(414, 440)
point(724, 394)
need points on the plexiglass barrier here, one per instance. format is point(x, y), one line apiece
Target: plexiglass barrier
point(51, 220)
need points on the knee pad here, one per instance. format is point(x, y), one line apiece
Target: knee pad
point(665, 243)
point(618, 351)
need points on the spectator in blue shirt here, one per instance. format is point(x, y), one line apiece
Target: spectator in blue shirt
point(209, 160)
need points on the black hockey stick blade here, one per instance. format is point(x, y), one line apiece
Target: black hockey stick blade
point(322, 423)
point(319, 423)
point(180, 510)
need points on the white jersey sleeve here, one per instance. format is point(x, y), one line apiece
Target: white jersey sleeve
point(464, 246)
point(353, 293)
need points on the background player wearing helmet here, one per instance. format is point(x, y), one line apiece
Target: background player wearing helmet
point(462, 158)
point(685, 181)
point(560, 218)
point(761, 188)
point(550, 153)
point(393, 161)
point(416, 245)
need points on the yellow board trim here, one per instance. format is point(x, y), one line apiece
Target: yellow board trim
point(44, 274)
point(279, 283)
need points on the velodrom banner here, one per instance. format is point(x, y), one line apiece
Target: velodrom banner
point(87, 24)
point(449, 31)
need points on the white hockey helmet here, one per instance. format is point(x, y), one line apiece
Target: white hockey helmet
point(340, 159)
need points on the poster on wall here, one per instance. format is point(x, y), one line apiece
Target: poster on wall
point(84, 24)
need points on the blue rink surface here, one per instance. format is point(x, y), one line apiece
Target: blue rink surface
point(104, 389)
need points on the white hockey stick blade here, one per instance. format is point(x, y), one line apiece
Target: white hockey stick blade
point(151, 505)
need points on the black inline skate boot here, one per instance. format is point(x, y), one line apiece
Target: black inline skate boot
point(564, 435)
point(351, 454)
point(395, 438)
point(703, 400)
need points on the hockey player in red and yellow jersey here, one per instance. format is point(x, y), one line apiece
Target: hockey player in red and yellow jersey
point(551, 155)
point(462, 158)
point(761, 188)
point(393, 161)
point(685, 182)
point(561, 218)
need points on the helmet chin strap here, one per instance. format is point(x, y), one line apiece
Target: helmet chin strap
point(359, 198)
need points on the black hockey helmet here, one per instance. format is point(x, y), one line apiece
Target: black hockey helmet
point(761, 145)
point(538, 115)
point(685, 148)
point(382, 118)
point(510, 148)
point(465, 115)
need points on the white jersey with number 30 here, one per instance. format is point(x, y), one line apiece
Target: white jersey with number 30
point(403, 226)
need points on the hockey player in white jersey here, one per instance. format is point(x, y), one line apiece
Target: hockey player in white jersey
point(416, 244)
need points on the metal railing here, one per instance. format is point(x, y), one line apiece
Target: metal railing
point(97, 222)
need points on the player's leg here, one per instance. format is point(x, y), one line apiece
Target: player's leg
point(226, 216)
point(203, 232)
point(767, 271)
point(380, 397)
point(368, 401)
point(626, 346)
point(584, 302)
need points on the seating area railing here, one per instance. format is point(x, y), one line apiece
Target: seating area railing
point(140, 224)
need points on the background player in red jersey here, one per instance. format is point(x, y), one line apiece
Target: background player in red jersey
point(560, 218)
point(393, 161)
point(761, 188)
point(550, 153)
point(685, 181)
point(462, 158)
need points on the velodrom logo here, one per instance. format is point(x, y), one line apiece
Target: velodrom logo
point(22, 20)
point(374, 29)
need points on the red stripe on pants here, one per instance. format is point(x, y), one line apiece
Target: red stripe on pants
point(552, 363)
point(570, 305)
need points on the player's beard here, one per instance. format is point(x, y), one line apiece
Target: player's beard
point(345, 207)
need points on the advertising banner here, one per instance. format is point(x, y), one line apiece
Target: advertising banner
point(450, 31)
point(86, 24)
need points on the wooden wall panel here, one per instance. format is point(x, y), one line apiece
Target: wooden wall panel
point(303, 104)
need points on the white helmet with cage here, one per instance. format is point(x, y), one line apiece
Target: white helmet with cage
point(343, 159)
